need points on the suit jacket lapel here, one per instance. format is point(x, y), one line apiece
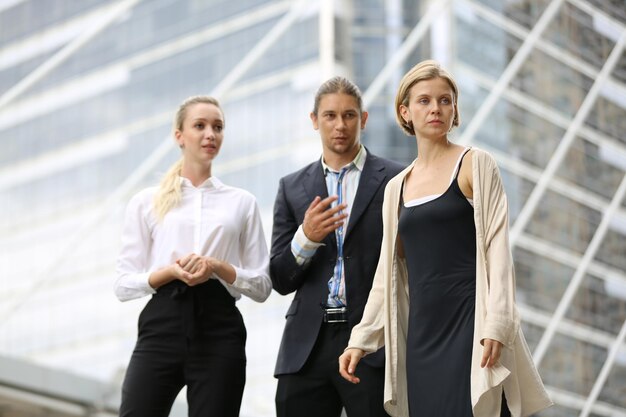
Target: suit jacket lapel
point(371, 179)
point(315, 185)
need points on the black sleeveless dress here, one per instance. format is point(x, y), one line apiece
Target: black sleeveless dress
point(439, 240)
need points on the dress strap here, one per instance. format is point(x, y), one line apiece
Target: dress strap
point(457, 168)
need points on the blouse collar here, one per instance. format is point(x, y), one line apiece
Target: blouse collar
point(209, 183)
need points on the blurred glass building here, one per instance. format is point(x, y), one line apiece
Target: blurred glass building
point(88, 90)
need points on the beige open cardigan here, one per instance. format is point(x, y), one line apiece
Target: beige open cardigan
point(385, 320)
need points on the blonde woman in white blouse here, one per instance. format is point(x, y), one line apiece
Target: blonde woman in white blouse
point(196, 245)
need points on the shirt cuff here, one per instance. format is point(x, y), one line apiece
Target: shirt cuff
point(302, 247)
point(131, 286)
point(142, 282)
point(236, 283)
point(253, 284)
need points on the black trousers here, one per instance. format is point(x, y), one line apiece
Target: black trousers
point(191, 336)
point(319, 391)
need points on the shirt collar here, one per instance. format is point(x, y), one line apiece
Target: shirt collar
point(209, 183)
point(358, 161)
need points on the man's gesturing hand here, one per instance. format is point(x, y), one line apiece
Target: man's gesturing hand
point(320, 219)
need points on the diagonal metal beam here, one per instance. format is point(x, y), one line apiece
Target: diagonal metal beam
point(539, 191)
point(260, 48)
point(60, 57)
point(124, 66)
point(509, 72)
point(403, 52)
point(570, 135)
point(579, 274)
point(604, 372)
point(148, 165)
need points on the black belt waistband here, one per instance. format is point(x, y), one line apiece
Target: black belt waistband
point(212, 290)
point(196, 300)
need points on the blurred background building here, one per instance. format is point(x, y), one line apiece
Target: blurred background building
point(88, 90)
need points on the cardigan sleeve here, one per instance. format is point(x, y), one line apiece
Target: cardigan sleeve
point(502, 318)
point(369, 335)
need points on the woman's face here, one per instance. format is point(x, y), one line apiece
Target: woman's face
point(431, 108)
point(202, 133)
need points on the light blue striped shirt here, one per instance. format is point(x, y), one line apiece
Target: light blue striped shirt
point(303, 249)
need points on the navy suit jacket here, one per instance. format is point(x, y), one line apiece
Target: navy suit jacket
point(361, 249)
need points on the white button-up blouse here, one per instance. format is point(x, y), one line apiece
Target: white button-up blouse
point(212, 219)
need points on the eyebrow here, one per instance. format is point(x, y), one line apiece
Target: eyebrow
point(443, 96)
point(345, 111)
point(429, 95)
point(202, 119)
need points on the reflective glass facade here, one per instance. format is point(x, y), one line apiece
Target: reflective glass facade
point(88, 90)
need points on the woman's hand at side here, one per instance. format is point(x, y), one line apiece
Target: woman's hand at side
point(491, 353)
point(348, 362)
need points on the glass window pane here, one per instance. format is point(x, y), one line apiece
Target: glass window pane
point(583, 165)
point(609, 118)
point(572, 364)
point(553, 83)
point(573, 30)
point(526, 13)
point(564, 222)
point(518, 132)
point(614, 390)
point(298, 45)
point(613, 249)
point(473, 95)
point(597, 305)
point(31, 12)
point(473, 34)
point(540, 281)
point(517, 191)
point(532, 334)
point(613, 8)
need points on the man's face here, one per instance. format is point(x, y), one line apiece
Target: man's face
point(339, 123)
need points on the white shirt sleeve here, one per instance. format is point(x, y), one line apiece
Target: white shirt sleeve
point(253, 278)
point(211, 220)
point(132, 272)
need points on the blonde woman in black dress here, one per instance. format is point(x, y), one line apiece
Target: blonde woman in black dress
point(443, 299)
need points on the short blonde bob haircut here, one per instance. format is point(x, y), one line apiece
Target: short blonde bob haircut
point(425, 70)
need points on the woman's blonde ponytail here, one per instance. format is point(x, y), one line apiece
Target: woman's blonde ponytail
point(169, 194)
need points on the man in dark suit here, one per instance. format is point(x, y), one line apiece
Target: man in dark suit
point(325, 245)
